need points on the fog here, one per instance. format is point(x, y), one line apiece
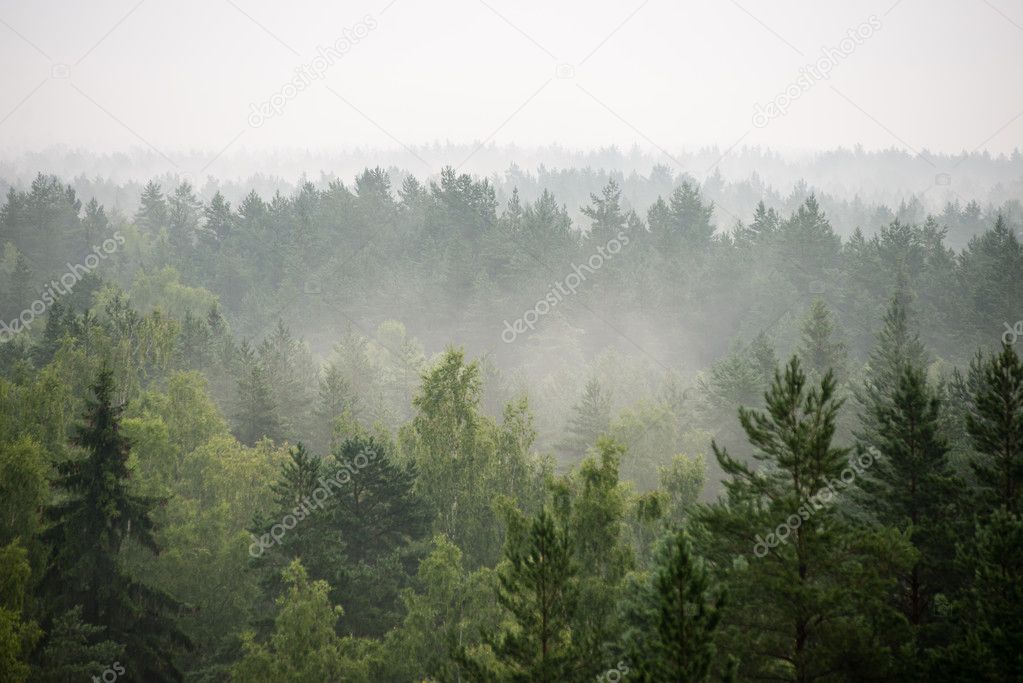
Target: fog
point(488, 341)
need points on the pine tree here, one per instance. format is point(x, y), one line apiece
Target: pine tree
point(809, 572)
point(95, 223)
point(911, 486)
point(990, 612)
point(606, 213)
point(74, 650)
point(336, 398)
point(591, 417)
point(19, 291)
point(219, 219)
point(995, 424)
point(765, 222)
point(673, 636)
point(538, 590)
point(183, 211)
point(90, 526)
point(819, 350)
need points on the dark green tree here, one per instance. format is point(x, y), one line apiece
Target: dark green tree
point(808, 570)
point(676, 613)
point(91, 524)
point(995, 424)
point(911, 486)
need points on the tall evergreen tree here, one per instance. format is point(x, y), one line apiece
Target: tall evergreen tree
point(152, 213)
point(538, 590)
point(809, 572)
point(898, 346)
point(911, 486)
point(995, 423)
point(91, 525)
point(819, 350)
point(676, 613)
point(257, 414)
point(591, 417)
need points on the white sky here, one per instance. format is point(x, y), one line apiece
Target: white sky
point(941, 75)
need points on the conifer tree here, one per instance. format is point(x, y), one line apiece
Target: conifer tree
point(74, 650)
point(805, 567)
point(591, 417)
point(257, 414)
point(911, 486)
point(152, 213)
point(91, 524)
point(538, 590)
point(605, 213)
point(674, 614)
point(818, 349)
point(995, 424)
point(898, 346)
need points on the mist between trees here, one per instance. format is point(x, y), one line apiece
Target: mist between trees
point(582, 504)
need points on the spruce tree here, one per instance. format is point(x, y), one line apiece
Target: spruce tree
point(152, 213)
point(91, 525)
point(257, 415)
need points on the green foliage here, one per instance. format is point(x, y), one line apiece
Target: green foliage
point(995, 423)
point(74, 650)
point(591, 417)
point(90, 526)
point(790, 549)
point(674, 613)
point(538, 589)
point(304, 647)
point(18, 635)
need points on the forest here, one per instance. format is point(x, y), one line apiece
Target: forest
point(424, 429)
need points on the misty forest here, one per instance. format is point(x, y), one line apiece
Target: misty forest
point(494, 341)
point(393, 428)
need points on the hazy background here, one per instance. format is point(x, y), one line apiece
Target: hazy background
point(171, 77)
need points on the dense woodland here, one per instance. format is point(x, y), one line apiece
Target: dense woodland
point(286, 439)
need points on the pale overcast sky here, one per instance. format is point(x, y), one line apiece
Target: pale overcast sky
point(941, 75)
